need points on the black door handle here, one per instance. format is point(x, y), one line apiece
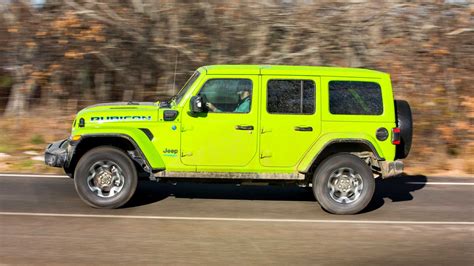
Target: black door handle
point(240, 127)
point(304, 128)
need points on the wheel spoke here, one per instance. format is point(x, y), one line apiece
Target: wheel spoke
point(114, 190)
point(331, 188)
point(350, 194)
point(351, 172)
point(343, 194)
point(91, 176)
point(97, 191)
point(344, 199)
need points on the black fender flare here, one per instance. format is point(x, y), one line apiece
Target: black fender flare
point(321, 155)
point(76, 152)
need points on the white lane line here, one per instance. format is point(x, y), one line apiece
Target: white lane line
point(442, 183)
point(233, 219)
point(32, 175)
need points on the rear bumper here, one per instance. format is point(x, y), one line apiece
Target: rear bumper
point(56, 154)
point(391, 168)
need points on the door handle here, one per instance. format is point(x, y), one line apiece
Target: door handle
point(242, 127)
point(298, 128)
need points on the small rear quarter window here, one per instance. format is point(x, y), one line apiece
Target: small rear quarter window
point(355, 98)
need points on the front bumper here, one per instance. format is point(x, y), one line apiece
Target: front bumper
point(391, 168)
point(56, 154)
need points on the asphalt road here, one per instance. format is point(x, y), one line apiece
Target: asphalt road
point(412, 220)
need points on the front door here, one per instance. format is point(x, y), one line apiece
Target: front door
point(290, 119)
point(226, 134)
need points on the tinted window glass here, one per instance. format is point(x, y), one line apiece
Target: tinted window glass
point(355, 98)
point(228, 95)
point(291, 96)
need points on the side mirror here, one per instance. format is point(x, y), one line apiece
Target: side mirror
point(197, 104)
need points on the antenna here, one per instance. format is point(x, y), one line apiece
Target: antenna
point(174, 76)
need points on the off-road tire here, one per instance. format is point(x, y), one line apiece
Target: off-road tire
point(321, 187)
point(115, 156)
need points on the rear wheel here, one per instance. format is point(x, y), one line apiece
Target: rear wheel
point(343, 184)
point(105, 177)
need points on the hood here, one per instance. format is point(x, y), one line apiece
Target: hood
point(120, 112)
point(122, 104)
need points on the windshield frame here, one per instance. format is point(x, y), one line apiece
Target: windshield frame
point(179, 96)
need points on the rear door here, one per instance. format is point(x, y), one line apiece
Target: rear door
point(290, 119)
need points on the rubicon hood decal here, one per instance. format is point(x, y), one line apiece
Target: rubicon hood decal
point(121, 118)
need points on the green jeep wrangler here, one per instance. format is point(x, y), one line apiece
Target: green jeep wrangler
point(332, 129)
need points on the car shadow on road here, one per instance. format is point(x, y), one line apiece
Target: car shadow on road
point(398, 188)
point(149, 192)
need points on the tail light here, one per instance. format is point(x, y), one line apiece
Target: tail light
point(395, 136)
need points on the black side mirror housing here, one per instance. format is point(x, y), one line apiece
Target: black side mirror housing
point(170, 115)
point(197, 104)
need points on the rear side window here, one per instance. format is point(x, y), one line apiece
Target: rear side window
point(291, 96)
point(355, 98)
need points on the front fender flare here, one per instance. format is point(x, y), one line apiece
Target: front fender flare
point(137, 137)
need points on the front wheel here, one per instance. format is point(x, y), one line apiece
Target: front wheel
point(343, 184)
point(105, 177)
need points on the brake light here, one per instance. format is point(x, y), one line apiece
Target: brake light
point(395, 136)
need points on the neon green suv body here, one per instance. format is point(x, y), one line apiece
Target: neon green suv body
point(293, 120)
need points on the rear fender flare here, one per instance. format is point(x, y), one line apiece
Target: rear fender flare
point(329, 139)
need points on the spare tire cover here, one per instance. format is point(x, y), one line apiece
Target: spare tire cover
point(405, 123)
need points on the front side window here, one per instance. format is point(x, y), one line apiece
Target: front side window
point(227, 95)
point(355, 98)
point(291, 96)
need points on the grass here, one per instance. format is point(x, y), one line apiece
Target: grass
point(5, 147)
point(5, 141)
point(27, 163)
point(37, 139)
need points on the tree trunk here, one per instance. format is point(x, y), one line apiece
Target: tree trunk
point(17, 102)
point(102, 88)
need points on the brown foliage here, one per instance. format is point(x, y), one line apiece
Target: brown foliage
point(102, 50)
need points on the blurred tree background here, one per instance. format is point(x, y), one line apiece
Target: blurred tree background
point(57, 56)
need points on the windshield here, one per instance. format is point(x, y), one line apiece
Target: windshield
point(186, 87)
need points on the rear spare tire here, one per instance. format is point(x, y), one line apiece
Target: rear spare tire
point(405, 124)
